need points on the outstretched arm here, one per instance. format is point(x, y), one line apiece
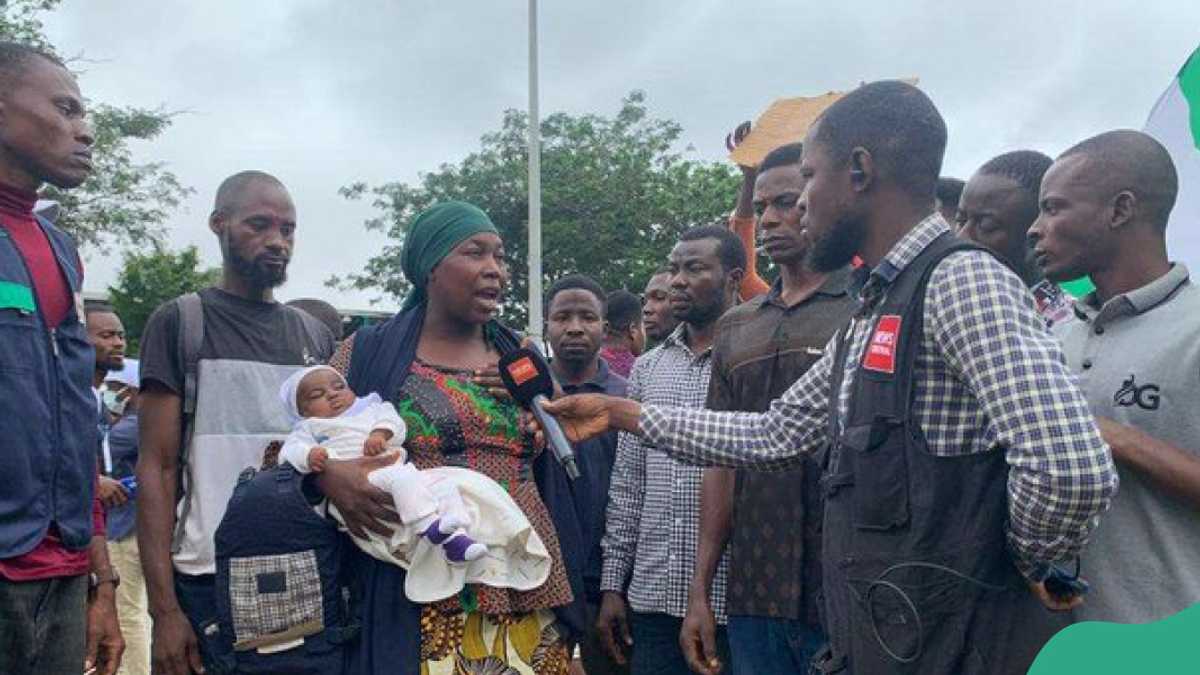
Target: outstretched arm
point(776, 440)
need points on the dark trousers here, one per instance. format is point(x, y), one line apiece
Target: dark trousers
point(596, 660)
point(197, 597)
point(43, 625)
point(656, 645)
point(766, 646)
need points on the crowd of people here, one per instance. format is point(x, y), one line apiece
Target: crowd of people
point(908, 452)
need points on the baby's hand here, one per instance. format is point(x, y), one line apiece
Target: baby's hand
point(317, 457)
point(377, 443)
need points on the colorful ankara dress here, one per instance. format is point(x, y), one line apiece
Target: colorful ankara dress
point(453, 422)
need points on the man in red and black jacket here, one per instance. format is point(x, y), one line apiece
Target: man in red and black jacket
point(57, 612)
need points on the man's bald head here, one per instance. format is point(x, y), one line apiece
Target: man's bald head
point(1131, 160)
point(232, 190)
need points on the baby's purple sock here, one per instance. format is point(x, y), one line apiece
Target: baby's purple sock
point(462, 548)
point(434, 533)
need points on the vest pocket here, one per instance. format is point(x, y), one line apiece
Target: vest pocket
point(275, 600)
point(18, 330)
point(879, 453)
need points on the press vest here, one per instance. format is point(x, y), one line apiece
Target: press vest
point(47, 411)
point(917, 574)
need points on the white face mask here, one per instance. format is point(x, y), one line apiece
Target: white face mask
point(112, 400)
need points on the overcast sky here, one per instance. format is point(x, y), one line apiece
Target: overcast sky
point(323, 93)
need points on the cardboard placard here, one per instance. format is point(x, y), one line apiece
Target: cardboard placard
point(785, 121)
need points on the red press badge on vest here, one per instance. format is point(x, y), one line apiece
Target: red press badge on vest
point(881, 350)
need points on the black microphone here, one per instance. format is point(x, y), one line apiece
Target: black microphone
point(527, 377)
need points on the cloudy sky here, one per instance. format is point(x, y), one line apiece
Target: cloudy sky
point(323, 93)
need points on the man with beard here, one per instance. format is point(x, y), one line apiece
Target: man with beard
point(107, 335)
point(962, 461)
point(575, 311)
point(657, 320)
point(117, 457)
point(762, 346)
point(1105, 204)
point(654, 505)
point(212, 363)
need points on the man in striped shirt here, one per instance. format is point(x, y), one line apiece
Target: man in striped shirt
point(988, 468)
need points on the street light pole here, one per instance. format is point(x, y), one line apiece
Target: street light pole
point(535, 184)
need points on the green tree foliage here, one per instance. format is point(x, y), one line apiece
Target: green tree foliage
point(149, 279)
point(124, 202)
point(615, 195)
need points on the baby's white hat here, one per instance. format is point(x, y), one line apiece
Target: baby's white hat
point(291, 386)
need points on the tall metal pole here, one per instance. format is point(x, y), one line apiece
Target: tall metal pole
point(535, 184)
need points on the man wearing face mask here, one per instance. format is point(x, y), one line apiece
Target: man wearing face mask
point(212, 364)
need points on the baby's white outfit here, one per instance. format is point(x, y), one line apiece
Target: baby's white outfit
point(516, 558)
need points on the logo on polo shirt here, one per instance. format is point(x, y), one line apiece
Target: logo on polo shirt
point(1146, 397)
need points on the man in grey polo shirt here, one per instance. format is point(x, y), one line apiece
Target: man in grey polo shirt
point(1103, 212)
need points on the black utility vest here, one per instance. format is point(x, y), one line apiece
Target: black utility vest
point(894, 511)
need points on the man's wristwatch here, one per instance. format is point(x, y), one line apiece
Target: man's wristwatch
point(107, 575)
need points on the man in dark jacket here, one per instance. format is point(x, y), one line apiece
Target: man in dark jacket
point(57, 613)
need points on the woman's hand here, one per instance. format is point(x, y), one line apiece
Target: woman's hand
point(489, 379)
point(363, 506)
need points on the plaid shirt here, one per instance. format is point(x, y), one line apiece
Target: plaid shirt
point(989, 376)
point(653, 522)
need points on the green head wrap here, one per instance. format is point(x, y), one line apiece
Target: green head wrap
point(431, 237)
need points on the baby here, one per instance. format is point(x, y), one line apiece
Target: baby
point(332, 424)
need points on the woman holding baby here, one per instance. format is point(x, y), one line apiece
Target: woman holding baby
point(435, 362)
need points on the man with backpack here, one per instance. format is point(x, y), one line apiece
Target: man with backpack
point(211, 366)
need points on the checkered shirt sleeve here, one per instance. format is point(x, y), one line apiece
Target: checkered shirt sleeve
point(625, 493)
point(1061, 473)
point(773, 441)
point(989, 375)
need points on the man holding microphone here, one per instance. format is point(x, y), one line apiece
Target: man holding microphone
point(962, 466)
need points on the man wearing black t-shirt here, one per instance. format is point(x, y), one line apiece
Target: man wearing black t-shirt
point(250, 343)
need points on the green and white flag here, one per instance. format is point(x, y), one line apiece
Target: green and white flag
point(1175, 122)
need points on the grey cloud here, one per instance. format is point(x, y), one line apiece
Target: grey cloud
point(324, 93)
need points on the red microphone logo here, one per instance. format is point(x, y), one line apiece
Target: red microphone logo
point(522, 370)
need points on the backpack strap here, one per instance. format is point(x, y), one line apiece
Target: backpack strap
point(190, 339)
point(314, 329)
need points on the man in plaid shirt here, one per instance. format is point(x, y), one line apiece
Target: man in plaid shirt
point(995, 470)
point(653, 517)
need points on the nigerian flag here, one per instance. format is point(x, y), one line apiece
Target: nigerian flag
point(1175, 122)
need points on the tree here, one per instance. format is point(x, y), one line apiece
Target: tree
point(149, 279)
point(615, 196)
point(123, 202)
